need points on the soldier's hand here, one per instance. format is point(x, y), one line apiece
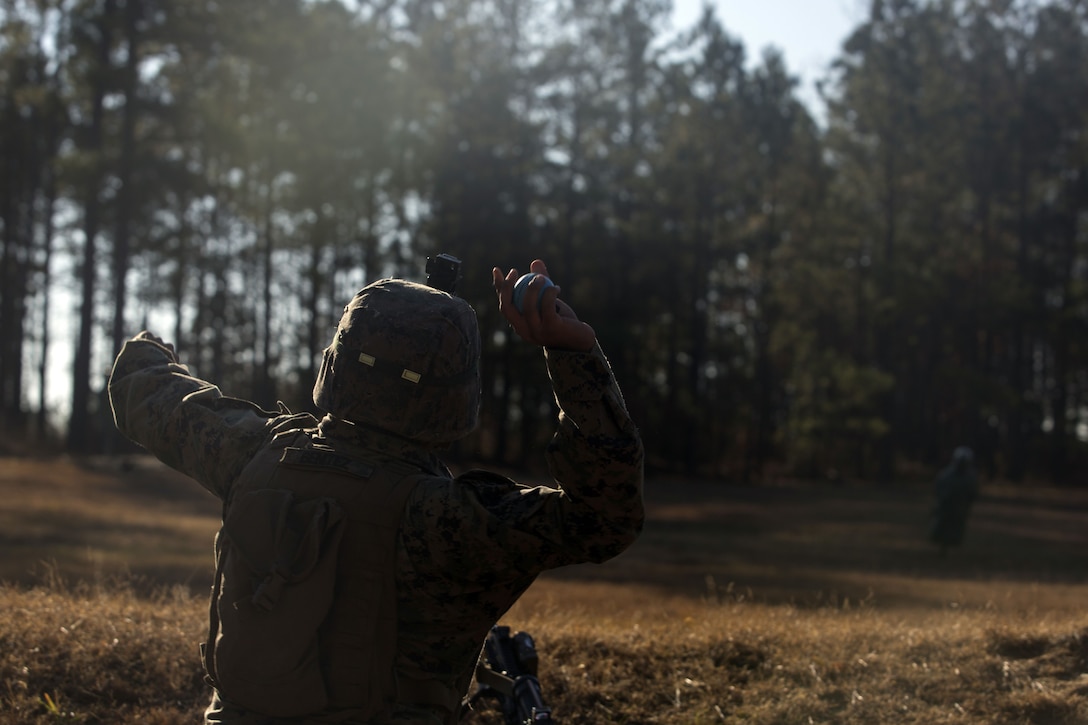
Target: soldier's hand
point(549, 323)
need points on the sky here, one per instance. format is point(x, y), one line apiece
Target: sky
point(807, 32)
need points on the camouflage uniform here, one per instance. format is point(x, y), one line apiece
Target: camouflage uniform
point(468, 546)
point(955, 490)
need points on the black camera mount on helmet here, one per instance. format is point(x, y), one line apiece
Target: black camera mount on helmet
point(444, 272)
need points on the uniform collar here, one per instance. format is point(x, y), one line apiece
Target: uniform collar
point(382, 442)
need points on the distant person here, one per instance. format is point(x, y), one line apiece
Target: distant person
point(954, 491)
point(356, 577)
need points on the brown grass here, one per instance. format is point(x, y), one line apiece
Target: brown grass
point(686, 661)
point(777, 605)
point(100, 655)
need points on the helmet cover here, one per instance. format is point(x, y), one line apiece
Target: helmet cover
point(405, 359)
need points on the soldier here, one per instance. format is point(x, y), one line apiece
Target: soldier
point(356, 577)
point(954, 491)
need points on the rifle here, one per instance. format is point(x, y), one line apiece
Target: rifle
point(507, 673)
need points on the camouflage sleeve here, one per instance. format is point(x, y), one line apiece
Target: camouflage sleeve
point(596, 454)
point(187, 423)
point(485, 527)
point(590, 399)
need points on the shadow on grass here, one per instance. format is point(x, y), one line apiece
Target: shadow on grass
point(814, 545)
point(809, 545)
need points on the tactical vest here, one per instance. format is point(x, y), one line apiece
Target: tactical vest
point(303, 615)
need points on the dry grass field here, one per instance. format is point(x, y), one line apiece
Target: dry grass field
point(776, 604)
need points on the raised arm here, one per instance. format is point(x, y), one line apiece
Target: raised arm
point(595, 509)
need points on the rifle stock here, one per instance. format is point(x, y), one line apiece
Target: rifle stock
point(506, 673)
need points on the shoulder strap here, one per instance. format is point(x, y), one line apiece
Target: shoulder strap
point(211, 677)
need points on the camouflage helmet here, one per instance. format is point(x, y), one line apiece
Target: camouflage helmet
point(405, 359)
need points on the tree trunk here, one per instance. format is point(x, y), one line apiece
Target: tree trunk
point(121, 242)
point(80, 420)
point(47, 258)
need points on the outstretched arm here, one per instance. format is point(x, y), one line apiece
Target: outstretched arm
point(187, 423)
